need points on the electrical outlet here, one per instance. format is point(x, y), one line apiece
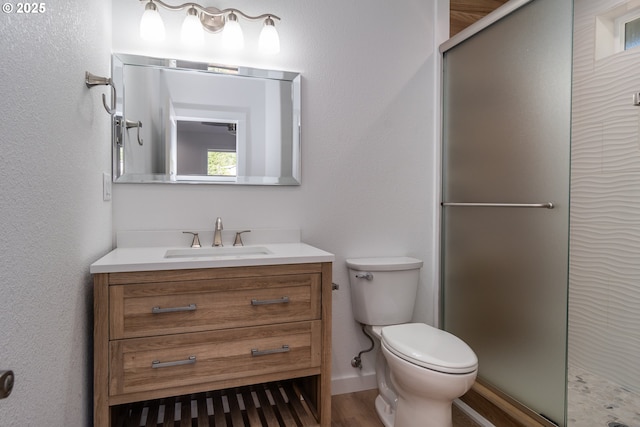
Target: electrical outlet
point(106, 187)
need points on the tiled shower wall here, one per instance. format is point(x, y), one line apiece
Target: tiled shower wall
point(604, 278)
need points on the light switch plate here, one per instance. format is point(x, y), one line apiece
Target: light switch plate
point(106, 187)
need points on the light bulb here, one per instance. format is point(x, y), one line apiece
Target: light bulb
point(151, 25)
point(192, 33)
point(269, 41)
point(232, 37)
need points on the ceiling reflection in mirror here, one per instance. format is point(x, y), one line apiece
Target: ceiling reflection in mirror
point(187, 122)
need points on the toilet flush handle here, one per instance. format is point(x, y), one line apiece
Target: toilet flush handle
point(366, 275)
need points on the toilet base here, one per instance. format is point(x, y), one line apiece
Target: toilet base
point(385, 412)
point(433, 414)
point(424, 414)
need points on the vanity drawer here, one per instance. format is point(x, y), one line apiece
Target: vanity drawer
point(146, 364)
point(149, 309)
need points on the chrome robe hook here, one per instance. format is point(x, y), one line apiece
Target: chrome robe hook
point(133, 124)
point(92, 80)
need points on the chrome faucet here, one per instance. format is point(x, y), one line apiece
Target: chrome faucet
point(217, 234)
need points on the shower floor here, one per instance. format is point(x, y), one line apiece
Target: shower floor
point(597, 402)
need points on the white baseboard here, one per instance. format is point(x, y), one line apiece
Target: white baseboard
point(353, 384)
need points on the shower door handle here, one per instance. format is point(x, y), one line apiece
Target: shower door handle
point(548, 205)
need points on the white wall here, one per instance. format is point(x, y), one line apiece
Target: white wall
point(54, 136)
point(604, 324)
point(369, 151)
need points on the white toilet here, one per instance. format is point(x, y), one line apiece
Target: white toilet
point(424, 369)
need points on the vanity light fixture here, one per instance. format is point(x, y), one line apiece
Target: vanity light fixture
point(192, 32)
point(232, 37)
point(151, 25)
point(200, 18)
point(269, 41)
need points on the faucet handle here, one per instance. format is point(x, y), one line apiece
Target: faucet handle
point(195, 243)
point(238, 240)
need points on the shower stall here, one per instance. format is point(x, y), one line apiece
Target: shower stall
point(541, 185)
point(604, 269)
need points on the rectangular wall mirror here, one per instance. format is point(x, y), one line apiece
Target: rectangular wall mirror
point(187, 122)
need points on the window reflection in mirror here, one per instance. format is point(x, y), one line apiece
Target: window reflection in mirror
point(206, 149)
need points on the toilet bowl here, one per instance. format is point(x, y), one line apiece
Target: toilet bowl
point(429, 368)
point(420, 369)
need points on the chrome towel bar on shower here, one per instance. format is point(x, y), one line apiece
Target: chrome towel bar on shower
point(548, 205)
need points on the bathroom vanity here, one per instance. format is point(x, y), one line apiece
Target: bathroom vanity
point(244, 338)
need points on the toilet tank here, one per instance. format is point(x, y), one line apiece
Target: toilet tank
point(383, 290)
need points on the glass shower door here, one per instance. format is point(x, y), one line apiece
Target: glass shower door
point(506, 157)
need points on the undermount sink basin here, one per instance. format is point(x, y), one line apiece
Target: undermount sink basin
point(218, 252)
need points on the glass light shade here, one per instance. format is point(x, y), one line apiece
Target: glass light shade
point(232, 37)
point(269, 41)
point(151, 25)
point(192, 32)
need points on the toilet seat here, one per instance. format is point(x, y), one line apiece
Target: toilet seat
point(430, 348)
point(384, 264)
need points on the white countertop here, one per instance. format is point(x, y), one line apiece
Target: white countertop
point(128, 259)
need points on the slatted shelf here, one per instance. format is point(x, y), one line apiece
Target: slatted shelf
point(279, 404)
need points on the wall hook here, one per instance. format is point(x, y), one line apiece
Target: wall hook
point(133, 124)
point(92, 80)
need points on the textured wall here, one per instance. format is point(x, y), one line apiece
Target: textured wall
point(604, 299)
point(54, 137)
point(369, 151)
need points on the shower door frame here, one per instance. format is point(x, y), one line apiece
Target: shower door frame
point(531, 207)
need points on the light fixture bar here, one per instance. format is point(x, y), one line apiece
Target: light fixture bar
point(212, 11)
point(251, 18)
point(213, 20)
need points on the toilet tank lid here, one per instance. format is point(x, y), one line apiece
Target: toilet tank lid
point(384, 263)
point(430, 347)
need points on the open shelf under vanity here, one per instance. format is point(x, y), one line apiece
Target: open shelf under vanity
point(281, 403)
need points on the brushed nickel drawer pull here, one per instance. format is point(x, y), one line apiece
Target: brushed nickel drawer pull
point(255, 352)
point(158, 310)
point(158, 364)
point(282, 300)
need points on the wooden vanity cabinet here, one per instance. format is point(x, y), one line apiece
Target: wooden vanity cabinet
point(159, 334)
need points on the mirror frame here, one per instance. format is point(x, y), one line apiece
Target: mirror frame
point(119, 60)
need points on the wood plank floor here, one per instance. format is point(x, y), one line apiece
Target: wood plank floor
point(358, 410)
